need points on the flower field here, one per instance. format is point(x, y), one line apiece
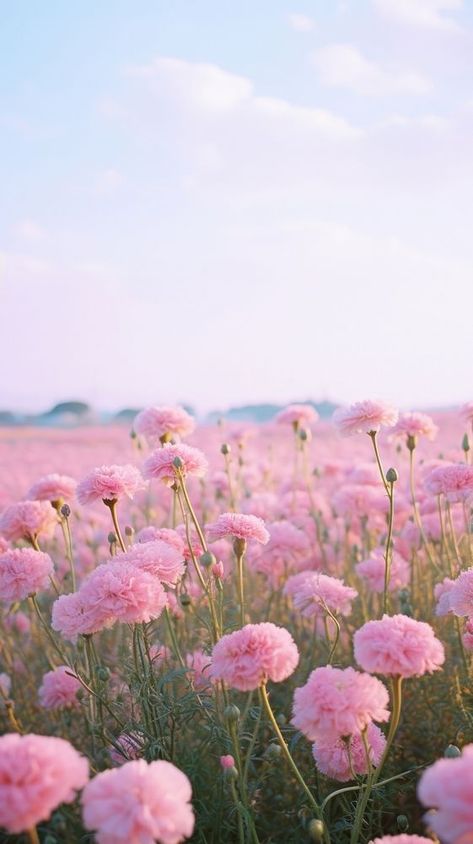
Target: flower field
point(238, 633)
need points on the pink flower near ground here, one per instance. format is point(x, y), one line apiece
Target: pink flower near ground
point(53, 487)
point(59, 689)
point(160, 464)
point(460, 597)
point(338, 702)
point(313, 592)
point(158, 423)
point(150, 533)
point(70, 617)
point(158, 558)
point(23, 572)
point(398, 645)
point(37, 774)
point(454, 480)
point(333, 759)
point(468, 635)
point(199, 664)
point(403, 838)
point(297, 415)
point(127, 746)
point(253, 655)
point(442, 592)
point(227, 762)
point(372, 570)
point(415, 425)
point(238, 525)
point(364, 417)
point(110, 483)
point(139, 803)
point(28, 520)
point(446, 788)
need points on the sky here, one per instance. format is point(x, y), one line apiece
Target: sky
point(222, 202)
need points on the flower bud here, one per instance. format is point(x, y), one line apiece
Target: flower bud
point(402, 823)
point(391, 476)
point(218, 570)
point(112, 538)
point(316, 829)
point(65, 511)
point(273, 751)
point(239, 546)
point(231, 713)
point(281, 719)
point(465, 443)
point(411, 442)
point(452, 752)
point(185, 600)
point(129, 531)
point(177, 463)
point(103, 673)
point(303, 435)
point(225, 449)
point(207, 559)
point(227, 761)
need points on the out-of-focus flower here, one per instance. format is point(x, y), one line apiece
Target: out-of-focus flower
point(364, 417)
point(110, 483)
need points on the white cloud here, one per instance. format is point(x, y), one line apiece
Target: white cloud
point(343, 66)
point(301, 23)
point(425, 14)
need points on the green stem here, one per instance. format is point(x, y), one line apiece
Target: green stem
point(112, 506)
point(241, 588)
point(372, 435)
point(388, 549)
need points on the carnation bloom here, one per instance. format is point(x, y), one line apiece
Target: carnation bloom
point(288, 548)
point(333, 757)
point(139, 803)
point(398, 645)
point(171, 537)
point(227, 762)
point(442, 593)
point(37, 774)
point(455, 480)
point(468, 635)
point(121, 591)
point(58, 689)
point(28, 520)
point(110, 483)
point(372, 570)
point(364, 417)
point(447, 789)
point(313, 593)
point(158, 558)
point(238, 525)
point(460, 597)
point(70, 617)
point(297, 415)
point(338, 702)
point(253, 655)
point(161, 463)
point(415, 425)
point(23, 572)
point(162, 423)
point(54, 488)
point(199, 664)
point(403, 838)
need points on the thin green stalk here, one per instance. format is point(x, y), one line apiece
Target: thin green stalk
point(112, 506)
point(388, 548)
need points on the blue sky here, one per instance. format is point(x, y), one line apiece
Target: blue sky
point(223, 202)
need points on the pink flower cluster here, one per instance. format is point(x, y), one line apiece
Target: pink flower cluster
point(161, 464)
point(23, 572)
point(312, 593)
point(28, 520)
point(59, 689)
point(110, 483)
point(159, 423)
point(239, 525)
point(446, 788)
point(365, 417)
point(398, 645)
point(253, 655)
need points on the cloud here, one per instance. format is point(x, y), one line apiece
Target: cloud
point(423, 14)
point(343, 66)
point(300, 23)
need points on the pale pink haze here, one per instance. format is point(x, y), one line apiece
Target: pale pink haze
point(398, 645)
point(28, 520)
point(364, 417)
point(312, 593)
point(158, 558)
point(466, 412)
point(53, 488)
point(139, 803)
point(338, 702)
point(454, 480)
point(333, 760)
point(110, 483)
point(37, 774)
point(23, 572)
point(415, 425)
point(297, 415)
point(160, 465)
point(446, 788)
point(460, 597)
point(372, 570)
point(59, 689)
point(238, 525)
point(253, 655)
point(155, 423)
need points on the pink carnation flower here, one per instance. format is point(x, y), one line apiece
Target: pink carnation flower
point(110, 483)
point(161, 423)
point(28, 520)
point(364, 417)
point(23, 572)
point(58, 689)
point(54, 488)
point(158, 558)
point(442, 592)
point(127, 746)
point(288, 548)
point(403, 838)
point(238, 525)
point(338, 702)
point(253, 655)
point(37, 774)
point(227, 762)
point(415, 425)
point(468, 635)
point(461, 594)
point(120, 591)
point(160, 464)
point(398, 645)
point(199, 664)
point(447, 789)
point(333, 760)
point(70, 617)
point(454, 480)
point(312, 592)
point(297, 415)
point(139, 803)
point(171, 537)
point(372, 570)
